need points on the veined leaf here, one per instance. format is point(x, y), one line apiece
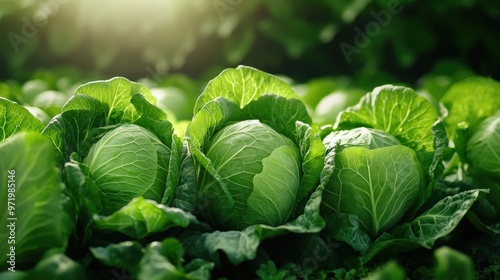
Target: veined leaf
point(469, 102)
point(116, 94)
point(440, 220)
point(39, 219)
point(238, 246)
point(378, 186)
point(128, 162)
point(400, 112)
point(424, 230)
point(185, 197)
point(243, 85)
point(142, 217)
point(15, 118)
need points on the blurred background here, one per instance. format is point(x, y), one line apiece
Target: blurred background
point(320, 46)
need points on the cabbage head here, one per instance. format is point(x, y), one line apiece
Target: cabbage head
point(128, 162)
point(261, 170)
point(257, 159)
point(483, 148)
point(120, 159)
point(385, 155)
point(375, 178)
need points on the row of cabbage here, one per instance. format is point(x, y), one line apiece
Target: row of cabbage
point(107, 187)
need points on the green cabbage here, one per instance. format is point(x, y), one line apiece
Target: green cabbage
point(128, 162)
point(483, 148)
point(378, 186)
point(261, 170)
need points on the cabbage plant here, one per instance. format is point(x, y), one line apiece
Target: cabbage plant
point(472, 121)
point(483, 147)
point(120, 157)
point(257, 163)
point(384, 158)
point(375, 178)
point(33, 217)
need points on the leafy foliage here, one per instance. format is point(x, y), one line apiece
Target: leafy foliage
point(107, 189)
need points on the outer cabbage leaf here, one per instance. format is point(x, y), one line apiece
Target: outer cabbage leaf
point(452, 264)
point(121, 255)
point(15, 118)
point(57, 267)
point(347, 228)
point(243, 85)
point(100, 104)
point(360, 137)
point(159, 260)
point(485, 214)
point(468, 103)
point(71, 131)
point(239, 246)
point(424, 230)
point(141, 218)
point(401, 112)
point(389, 271)
point(115, 94)
point(41, 224)
point(163, 260)
point(483, 148)
point(185, 195)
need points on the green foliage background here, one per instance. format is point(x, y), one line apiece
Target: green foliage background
point(400, 39)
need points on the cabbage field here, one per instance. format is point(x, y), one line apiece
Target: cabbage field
point(245, 140)
point(248, 176)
